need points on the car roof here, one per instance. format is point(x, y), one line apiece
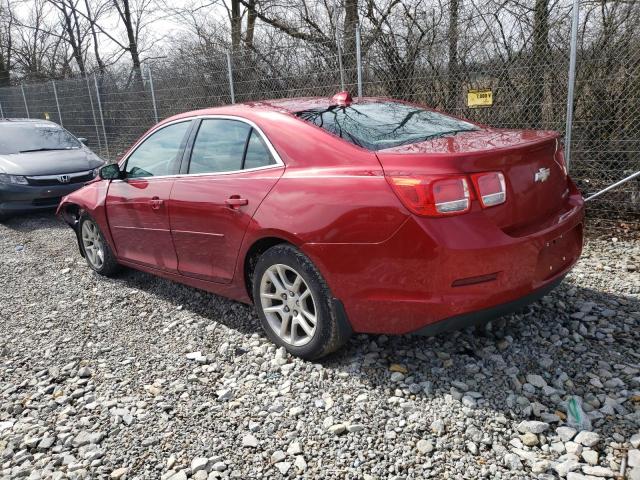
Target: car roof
point(285, 106)
point(27, 121)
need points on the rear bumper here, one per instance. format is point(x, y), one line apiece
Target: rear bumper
point(452, 270)
point(16, 199)
point(483, 316)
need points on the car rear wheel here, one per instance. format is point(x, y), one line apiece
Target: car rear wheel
point(295, 305)
point(97, 252)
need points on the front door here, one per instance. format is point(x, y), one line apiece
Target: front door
point(137, 205)
point(231, 170)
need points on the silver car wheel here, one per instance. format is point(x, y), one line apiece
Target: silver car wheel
point(92, 243)
point(288, 305)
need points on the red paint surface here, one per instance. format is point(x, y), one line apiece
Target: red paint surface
point(393, 271)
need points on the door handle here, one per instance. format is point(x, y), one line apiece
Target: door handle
point(156, 203)
point(235, 201)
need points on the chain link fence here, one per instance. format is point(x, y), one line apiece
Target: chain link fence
point(528, 83)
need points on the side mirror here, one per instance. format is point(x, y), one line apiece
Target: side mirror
point(83, 140)
point(110, 172)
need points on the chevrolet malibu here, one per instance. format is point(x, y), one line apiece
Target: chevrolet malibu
point(40, 162)
point(335, 216)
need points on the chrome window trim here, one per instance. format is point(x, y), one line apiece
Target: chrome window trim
point(279, 163)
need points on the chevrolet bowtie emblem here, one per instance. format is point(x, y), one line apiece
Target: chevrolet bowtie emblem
point(542, 175)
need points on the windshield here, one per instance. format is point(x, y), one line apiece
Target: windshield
point(29, 137)
point(381, 125)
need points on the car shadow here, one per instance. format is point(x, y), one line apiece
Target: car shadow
point(232, 314)
point(489, 365)
point(494, 364)
point(481, 367)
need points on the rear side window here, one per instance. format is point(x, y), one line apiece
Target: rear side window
point(224, 145)
point(258, 154)
point(380, 125)
point(219, 146)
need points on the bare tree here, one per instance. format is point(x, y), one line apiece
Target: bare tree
point(36, 54)
point(92, 17)
point(6, 43)
point(132, 27)
point(74, 31)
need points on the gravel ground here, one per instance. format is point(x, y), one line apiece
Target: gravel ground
point(138, 377)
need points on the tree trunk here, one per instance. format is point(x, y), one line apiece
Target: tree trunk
point(453, 84)
point(350, 26)
point(539, 60)
point(236, 25)
point(251, 24)
point(5, 76)
point(94, 36)
point(73, 39)
point(133, 41)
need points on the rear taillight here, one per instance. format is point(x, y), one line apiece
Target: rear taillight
point(490, 187)
point(433, 195)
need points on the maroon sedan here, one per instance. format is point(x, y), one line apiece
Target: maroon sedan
point(336, 216)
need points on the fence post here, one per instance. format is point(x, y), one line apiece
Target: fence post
point(337, 37)
point(572, 80)
point(93, 112)
point(1, 111)
point(104, 131)
point(359, 60)
point(55, 93)
point(233, 97)
point(24, 97)
point(153, 95)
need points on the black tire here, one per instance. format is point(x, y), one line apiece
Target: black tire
point(4, 217)
point(332, 327)
point(110, 265)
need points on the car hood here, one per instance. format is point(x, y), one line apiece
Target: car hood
point(51, 162)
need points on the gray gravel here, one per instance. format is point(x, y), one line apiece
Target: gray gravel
point(138, 377)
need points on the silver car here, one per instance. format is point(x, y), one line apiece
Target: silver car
point(40, 162)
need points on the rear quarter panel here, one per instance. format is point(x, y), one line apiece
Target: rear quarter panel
point(330, 192)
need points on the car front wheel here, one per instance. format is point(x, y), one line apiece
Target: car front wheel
point(295, 305)
point(97, 252)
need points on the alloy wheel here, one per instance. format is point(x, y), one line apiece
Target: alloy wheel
point(288, 305)
point(92, 243)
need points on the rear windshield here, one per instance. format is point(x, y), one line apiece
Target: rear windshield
point(381, 125)
point(31, 137)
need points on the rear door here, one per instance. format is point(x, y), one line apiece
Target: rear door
point(231, 169)
point(137, 205)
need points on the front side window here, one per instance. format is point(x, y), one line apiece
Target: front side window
point(25, 137)
point(219, 146)
point(380, 125)
point(160, 153)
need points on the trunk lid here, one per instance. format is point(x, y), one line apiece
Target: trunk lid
point(530, 161)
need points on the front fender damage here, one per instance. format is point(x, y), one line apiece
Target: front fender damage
point(89, 199)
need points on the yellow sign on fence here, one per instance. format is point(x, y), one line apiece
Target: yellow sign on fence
point(479, 98)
